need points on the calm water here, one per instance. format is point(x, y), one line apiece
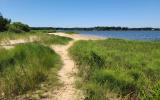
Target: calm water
point(133, 35)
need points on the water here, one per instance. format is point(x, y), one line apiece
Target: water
point(132, 35)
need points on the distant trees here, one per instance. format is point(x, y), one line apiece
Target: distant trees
point(42, 28)
point(110, 28)
point(107, 28)
point(4, 23)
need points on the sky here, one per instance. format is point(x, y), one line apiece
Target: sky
point(83, 13)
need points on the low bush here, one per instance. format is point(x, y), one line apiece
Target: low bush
point(18, 27)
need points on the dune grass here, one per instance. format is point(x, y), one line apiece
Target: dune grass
point(42, 37)
point(24, 67)
point(53, 39)
point(71, 32)
point(127, 69)
point(5, 36)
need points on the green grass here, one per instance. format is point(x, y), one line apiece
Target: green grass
point(53, 39)
point(129, 69)
point(24, 67)
point(5, 36)
point(41, 35)
point(45, 31)
point(70, 32)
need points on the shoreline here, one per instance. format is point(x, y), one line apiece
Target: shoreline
point(78, 36)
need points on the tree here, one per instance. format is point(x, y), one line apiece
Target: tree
point(1, 14)
point(4, 23)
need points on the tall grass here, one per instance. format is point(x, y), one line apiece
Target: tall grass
point(24, 67)
point(5, 36)
point(53, 39)
point(42, 37)
point(129, 69)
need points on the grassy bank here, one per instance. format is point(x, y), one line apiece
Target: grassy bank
point(42, 37)
point(52, 39)
point(24, 67)
point(119, 68)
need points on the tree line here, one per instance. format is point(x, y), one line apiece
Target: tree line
point(106, 28)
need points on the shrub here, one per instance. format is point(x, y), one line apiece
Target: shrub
point(18, 27)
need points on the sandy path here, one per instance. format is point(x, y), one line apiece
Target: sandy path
point(68, 70)
point(67, 91)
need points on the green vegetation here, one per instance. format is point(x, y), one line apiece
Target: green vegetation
point(123, 68)
point(5, 36)
point(24, 67)
point(44, 29)
point(53, 39)
point(18, 27)
point(70, 32)
point(42, 37)
point(4, 23)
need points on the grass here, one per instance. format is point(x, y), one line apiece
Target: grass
point(70, 32)
point(127, 69)
point(5, 36)
point(24, 67)
point(45, 31)
point(53, 39)
point(42, 37)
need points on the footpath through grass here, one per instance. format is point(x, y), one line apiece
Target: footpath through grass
point(25, 67)
point(122, 68)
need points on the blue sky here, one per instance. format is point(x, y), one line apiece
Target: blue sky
point(83, 13)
